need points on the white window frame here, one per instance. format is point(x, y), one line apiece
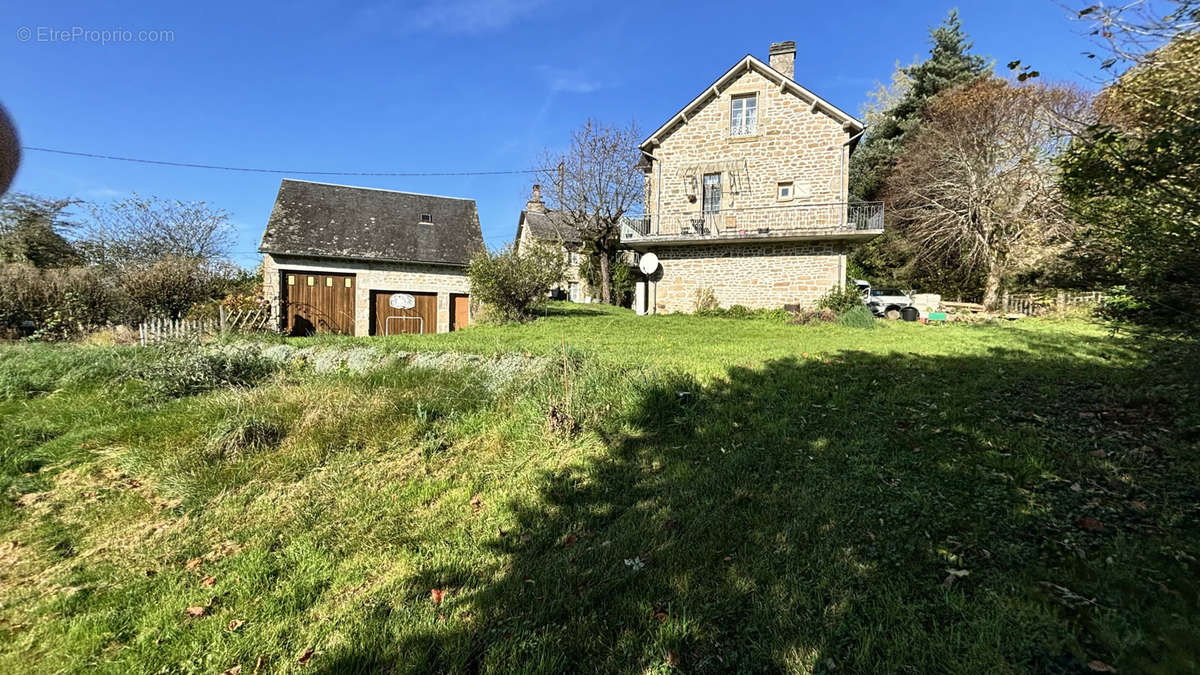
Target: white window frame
point(788, 185)
point(743, 118)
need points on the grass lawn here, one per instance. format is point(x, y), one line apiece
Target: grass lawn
point(604, 492)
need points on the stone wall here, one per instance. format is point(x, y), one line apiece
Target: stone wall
point(793, 143)
point(759, 275)
point(373, 276)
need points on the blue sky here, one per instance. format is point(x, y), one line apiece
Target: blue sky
point(426, 85)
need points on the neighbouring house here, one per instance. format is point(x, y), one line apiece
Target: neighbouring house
point(365, 261)
point(746, 193)
point(539, 225)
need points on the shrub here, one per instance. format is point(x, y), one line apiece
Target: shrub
point(857, 317)
point(841, 299)
point(170, 286)
point(706, 300)
point(807, 316)
point(181, 368)
point(56, 303)
point(512, 283)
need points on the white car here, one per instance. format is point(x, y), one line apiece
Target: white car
point(885, 302)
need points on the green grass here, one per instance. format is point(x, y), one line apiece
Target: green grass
point(640, 493)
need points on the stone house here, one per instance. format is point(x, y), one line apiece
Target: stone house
point(746, 194)
point(365, 261)
point(539, 225)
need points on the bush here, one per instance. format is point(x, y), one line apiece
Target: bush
point(841, 299)
point(806, 316)
point(56, 304)
point(706, 300)
point(858, 317)
point(513, 284)
point(170, 285)
point(182, 368)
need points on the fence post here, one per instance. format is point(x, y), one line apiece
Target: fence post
point(1062, 301)
point(221, 310)
point(1007, 306)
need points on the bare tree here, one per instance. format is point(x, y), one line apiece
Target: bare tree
point(595, 183)
point(141, 230)
point(977, 186)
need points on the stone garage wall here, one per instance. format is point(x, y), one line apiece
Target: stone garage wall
point(760, 275)
point(373, 276)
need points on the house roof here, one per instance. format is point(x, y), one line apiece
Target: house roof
point(323, 220)
point(549, 226)
point(749, 62)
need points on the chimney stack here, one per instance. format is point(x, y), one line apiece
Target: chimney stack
point(535, 203)
point(783, 58)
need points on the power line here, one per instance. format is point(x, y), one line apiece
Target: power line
point(189, 165)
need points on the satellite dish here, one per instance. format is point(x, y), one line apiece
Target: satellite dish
point(402, 301)
point(648, 264)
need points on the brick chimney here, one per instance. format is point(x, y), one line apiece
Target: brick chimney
point(783, 58)
point(535, 203)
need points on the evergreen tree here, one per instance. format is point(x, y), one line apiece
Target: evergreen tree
point(950, 64)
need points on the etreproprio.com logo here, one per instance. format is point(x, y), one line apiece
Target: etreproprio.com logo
point(103, 36)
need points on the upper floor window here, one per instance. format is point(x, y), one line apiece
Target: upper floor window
point(743, 115)
point(426, 217)
point(573, 258)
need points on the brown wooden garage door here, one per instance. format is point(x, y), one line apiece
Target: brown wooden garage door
point(389, 320)
point(460, 311)
point(317, 303)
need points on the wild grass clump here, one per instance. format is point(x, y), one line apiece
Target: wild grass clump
point(27, 371)
point(857, 317)
point(241, 437)
point(182, 368)
point(803, 317)
point(744, 312)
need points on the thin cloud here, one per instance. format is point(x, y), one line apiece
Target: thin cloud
point(450, 16)
point(568, 80)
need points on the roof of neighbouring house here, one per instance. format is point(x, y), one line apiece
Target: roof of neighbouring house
point(549, 226)
point(749, 62)
point(323, 220)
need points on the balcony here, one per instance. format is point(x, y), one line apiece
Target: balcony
point(794, 222)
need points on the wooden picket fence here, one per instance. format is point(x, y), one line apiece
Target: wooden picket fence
point(163, 328)
point(1055, 302)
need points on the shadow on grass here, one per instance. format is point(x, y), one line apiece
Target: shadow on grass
point(860, 513)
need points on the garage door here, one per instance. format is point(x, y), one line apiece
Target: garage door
point(460, 311)
point(397, 312)
point(317, 303)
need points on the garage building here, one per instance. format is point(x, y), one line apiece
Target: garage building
point(365, 261)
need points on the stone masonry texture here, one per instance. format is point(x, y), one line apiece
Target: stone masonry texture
point(372, 276)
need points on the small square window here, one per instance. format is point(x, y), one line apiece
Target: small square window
point(291, 280)
point(426, 218)
point(311, 280)
point(787, 190)
point(347, 282)
point(328, 281)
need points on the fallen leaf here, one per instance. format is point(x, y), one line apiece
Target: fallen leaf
point(570, 541)
point(235, 624)
point(672, 659)
point(436, 594)
point(660, 614)
point(1139, 505)
point(306, 656)
point(193, 564)
point(208, 581)
point(477, 501)
point(1099, 666)
point(197, 611)
point(232, 671)
point(1090, 524)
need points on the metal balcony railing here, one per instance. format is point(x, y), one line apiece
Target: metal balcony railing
point(791, 220)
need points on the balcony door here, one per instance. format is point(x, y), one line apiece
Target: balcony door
point(712, 203)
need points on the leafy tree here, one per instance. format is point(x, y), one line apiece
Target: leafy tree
point(33, 230)
point(511, 284)
point(595, 182)
point(950, 64)
point(976, 189)
point(1134, 176)
point(623, 280)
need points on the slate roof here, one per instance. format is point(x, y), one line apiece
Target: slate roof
point(322, 220)
point(550, 226)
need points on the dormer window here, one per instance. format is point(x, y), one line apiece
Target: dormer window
point(426, 218)
point(743, 115)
